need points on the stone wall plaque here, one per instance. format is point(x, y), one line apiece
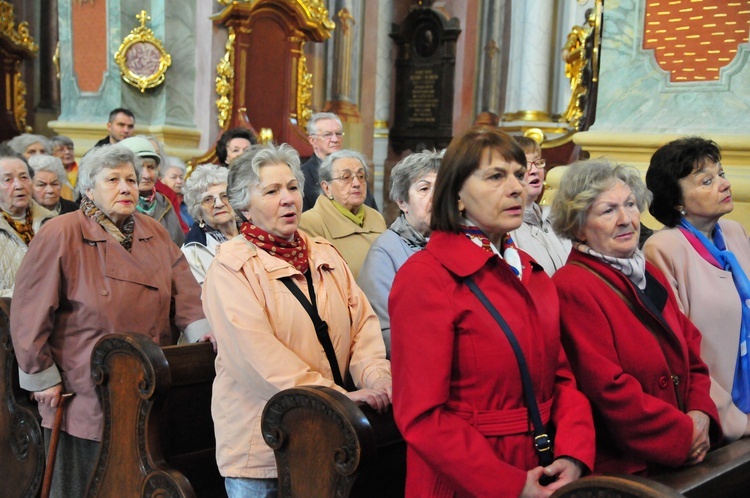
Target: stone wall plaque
point(425, 72)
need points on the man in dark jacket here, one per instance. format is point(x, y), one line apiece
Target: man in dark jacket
point(120, 126)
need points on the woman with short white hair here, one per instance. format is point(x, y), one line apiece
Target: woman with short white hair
point(48, 182)
point(215, 221)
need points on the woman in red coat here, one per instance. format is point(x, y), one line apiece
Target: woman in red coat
point(633, 352)
point(457, 389)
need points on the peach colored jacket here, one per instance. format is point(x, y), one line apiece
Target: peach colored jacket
point(267, 343)
point(708, 297)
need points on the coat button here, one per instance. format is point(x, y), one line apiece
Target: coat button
point(104, 293)
point(663, 382)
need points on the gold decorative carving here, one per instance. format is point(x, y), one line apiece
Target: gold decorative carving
point(536, 134)
point(19, 37)
point(141, 57)
point(56, 60)
point(19, 102)
point(224, 82)
point(266, 136)
point(542, 116)
point(318, 12)
point(304, 90)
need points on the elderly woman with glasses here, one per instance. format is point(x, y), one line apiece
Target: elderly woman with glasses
point(707, 261)
point(208, 203)
point(101, 270)
point(255, 295)
point(49, 178)
point(412, 185)
point(535, 235)
point(340, 214)
point(635, 355)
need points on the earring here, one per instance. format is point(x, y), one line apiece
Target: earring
point(201, 224)
point(330, 197)
point(683, 212)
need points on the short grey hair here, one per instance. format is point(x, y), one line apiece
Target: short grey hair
point(325, 172)
point(203, 177)
point(105, 156)
point(61, 140)
point(244, 175)
point(409, 170)
point(43, 162)
point(582, 183)
point(312, 125)
point(172, 162)
point(22, 142)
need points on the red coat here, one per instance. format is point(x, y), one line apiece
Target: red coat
point(621, 368)
point(457, 394)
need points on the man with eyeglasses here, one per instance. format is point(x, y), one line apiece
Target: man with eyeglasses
point(326, 135)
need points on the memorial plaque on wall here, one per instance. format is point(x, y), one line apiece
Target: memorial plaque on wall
point(425, 72)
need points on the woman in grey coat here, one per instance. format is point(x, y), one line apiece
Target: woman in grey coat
point(412, 184)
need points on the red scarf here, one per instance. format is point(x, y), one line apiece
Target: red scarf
point(294, 252)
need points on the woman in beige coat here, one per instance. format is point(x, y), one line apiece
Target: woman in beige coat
point(266, 340)
point(340, 214)
point(691, 195)
point(100, 264)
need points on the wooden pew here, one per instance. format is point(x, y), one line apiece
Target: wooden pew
point(327, 446)
point(725, 472)
point(158, 437)
point(21, 442)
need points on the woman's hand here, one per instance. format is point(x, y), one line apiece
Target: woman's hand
point(377, 399)
point(384, 384)
point(566, 470)
point(50, 396)
point(209, 338)
point(701, 442)
point(532, 488)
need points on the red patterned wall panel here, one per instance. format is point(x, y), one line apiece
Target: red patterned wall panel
point(89, 26)
point(694, 39)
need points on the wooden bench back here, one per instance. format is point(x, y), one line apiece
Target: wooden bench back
point(21, 443)
point(327, 446)
point(158, 434)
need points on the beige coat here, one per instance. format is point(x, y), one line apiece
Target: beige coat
point(352, 241)
point(13, 248)
point(708, 297)
point(266, 341)
point(77, 284)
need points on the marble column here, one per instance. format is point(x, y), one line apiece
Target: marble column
point(493, 63)
point(530, 55)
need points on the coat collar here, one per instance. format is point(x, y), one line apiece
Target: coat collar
point(462, 257)
point(339, 226)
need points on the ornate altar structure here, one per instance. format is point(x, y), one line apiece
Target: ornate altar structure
point(16, 45)
point(262, 80)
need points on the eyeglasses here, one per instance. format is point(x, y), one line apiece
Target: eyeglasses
point(329, 135)
point(539, 163)
point(210, 200)
point(347, 177)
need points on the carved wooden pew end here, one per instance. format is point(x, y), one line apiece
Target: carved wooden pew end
point(325, 445)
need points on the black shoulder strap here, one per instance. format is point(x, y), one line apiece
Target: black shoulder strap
point(542, 441)
point(321, 327)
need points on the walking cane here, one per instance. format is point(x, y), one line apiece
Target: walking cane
point(62, 400)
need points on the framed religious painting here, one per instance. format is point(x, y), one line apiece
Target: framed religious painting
point(141, 57)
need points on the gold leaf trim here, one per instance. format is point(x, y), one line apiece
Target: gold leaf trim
point(142, 34)
point(304, 90)
point(224, 82)
point(20, 36)
point(19, 101)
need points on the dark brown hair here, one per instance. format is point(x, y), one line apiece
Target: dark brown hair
point(461, 159)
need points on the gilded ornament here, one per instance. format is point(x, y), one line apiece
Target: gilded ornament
point(266, 136)
point(19, 102)
point(318, 12)
point(56, 60)
point(304, 91)
point(20, 36)
point(224, 81)
point(141, 57)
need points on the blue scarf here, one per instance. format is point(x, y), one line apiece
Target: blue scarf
point(718, 249)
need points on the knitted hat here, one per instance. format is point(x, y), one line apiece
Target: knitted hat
point(141, 147)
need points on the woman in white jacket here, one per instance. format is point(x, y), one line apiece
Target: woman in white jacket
point(215, 221)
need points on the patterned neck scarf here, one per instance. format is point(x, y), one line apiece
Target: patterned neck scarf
point(509, 250)
point(633, 267)
point(294, 252)
point(408, 233)
point(216, 234)
point(24, 229)
point(147, 205)
point(124, 236)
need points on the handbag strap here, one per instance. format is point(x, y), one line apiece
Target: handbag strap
point(542, 441)
point(321, 327)
point(643, 317)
